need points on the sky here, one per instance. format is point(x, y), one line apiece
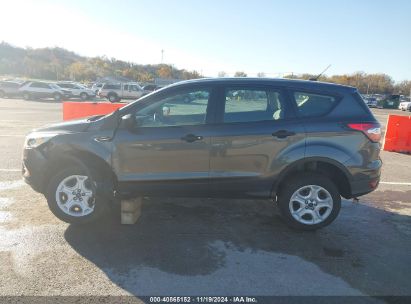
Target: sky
point(274, 37)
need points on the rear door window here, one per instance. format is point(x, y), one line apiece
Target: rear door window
point(313, 104)
point(40, 85)
point(253, 104)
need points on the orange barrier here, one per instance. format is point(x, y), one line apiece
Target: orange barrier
point(73, 110)
point(398, 134)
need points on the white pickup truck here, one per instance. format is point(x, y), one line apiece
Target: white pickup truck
point(116, 91)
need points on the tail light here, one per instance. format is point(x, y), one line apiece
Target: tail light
point(371, 130)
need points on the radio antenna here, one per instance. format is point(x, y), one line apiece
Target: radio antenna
point(319, 75)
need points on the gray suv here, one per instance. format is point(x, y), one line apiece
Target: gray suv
point(302, 144)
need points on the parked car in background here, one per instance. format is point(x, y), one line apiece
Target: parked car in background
point(9, 89)
point(390, 102)
point(38, 89)
point(371, 102)
point(150, 87)
point(96, 87)
point(116, 91)
point(278, 139)
point(77, 90)
point(404, 105)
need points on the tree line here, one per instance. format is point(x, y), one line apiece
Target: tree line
point(378, 83)
point(60, 64)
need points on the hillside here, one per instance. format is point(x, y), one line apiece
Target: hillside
point(61, 64)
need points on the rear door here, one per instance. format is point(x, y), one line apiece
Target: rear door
point(255, 137)
point(126, 91)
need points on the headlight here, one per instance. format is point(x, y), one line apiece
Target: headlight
point(35, 140)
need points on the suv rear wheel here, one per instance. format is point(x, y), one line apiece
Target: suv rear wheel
point(309, 201)
point(112, 97)
point(71, 196)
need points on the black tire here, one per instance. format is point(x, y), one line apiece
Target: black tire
point(84, 96)
point(112, 97)
point(100, 204)
point(2, 94)
point(298, 181)
point(26, 96)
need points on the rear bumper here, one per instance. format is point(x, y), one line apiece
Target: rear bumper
point(363, 187)
point(367, 180)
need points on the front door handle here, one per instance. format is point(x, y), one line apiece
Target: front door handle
point(283, 134)
point(191, 138)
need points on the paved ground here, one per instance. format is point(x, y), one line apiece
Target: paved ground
point(198, 247)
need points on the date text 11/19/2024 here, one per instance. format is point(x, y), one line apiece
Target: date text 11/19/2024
point(203, 299)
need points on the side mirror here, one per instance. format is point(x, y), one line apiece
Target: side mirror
point(129, 121)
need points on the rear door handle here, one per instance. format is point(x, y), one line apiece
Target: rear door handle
point(191, 138)
point(283, 134)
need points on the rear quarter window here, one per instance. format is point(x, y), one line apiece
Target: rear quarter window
point(313, 104)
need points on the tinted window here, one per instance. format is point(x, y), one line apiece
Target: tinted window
point(245, 105)
point(179, 109)
point(311, 105)
point(112, 87)
point(40, 85)
point(65, 85)
point(134, 88)
point(125, 88)
point(9, 84)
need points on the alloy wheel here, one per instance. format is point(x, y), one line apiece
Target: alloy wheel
point(74, 196)
point(311, 204)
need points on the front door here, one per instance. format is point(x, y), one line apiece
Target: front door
point(256, 137)
point(168, 151)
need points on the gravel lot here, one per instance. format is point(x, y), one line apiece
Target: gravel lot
point(202, 246)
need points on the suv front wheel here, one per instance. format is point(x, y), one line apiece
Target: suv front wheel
point(71, 196)
point(83, 96)
point(309, 201)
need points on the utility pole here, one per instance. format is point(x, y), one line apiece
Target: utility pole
point(162, 55)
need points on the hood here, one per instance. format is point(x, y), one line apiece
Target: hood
point(79, 125)
point(108, 122)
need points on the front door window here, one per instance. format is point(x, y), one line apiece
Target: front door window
point(180, 109)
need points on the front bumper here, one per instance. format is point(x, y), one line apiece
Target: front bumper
point(34, 169)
